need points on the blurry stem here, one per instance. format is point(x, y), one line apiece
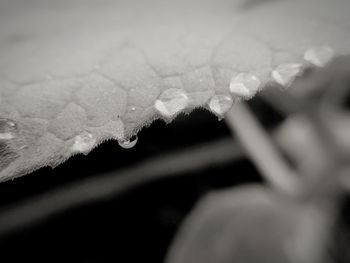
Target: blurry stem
point(336, 152)
point(286, 103)
point(117, 182)
point(260, 148)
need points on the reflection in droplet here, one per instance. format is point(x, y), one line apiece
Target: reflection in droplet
point(83, 143)
point(220, 104)
point(244, 85)
point(8, 129)
point(171, 102)
point(6, 136)
point(7, 155)
point(285, 74)
point(127, 144)
point(319, 56)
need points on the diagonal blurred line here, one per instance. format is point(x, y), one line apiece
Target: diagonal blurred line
point(286, 103)
point(261, 149)
point(108, 185)
point(328, 129)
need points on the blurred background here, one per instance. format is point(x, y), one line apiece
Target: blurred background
point(126, 205)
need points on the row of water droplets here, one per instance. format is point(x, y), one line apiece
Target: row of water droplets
point(244, 85)
point(173, 100)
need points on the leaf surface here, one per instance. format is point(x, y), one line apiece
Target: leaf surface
point(76, 73)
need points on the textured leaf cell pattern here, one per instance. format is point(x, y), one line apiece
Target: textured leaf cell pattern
point(73, 75)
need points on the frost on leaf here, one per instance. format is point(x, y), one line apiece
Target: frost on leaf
point(102, 67)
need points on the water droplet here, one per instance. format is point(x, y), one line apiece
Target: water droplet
point(127, 144)
point(171, 102)
point(6, 136)
point(8, 129)
point(220, 104)
point(285, 74)
point(244, 85)
point(319, 56)
point(83, 143)
point(7, 155)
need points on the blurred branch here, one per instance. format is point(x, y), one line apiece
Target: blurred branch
point(328, 129)
point(287, 104)
point(108, 185)
point(261, 149)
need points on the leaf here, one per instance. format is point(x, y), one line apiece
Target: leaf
point(252, 224)
point(76, 73)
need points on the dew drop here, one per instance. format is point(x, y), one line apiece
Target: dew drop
point(6, 136)
point(7, 155)
point(285, 74)
point(83, 143)
point(244, 85)
point(171, 102)
point(8, 129)
point(220, 104)
point(319, 56)
point(127, 144)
